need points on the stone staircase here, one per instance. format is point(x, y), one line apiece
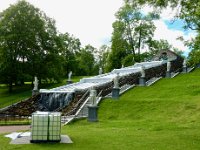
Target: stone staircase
point(82, 112)
point(152, 81)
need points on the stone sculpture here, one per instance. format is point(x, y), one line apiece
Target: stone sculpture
point(185, 63)
point(168, 66)
point(69, 76)
point(116, 81)
point(142, 71)
point(100, 71)
point(35, 84)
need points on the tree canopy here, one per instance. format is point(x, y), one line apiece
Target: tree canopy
point(30, 45)
point(132, 32)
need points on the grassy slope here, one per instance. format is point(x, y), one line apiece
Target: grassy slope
point(163, 116)
point(23, 92)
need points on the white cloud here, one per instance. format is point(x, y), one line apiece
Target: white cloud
point(167, 13)
point(171, 35)
point(89, 20)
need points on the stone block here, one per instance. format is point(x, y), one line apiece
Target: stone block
point(92, 113)
point(115, 93)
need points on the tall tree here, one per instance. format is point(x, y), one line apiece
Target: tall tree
point(69, 48)
point(188, 10)
point(102, 56)
point(139, 28)
point(86, 61)
point(28, 40)
point(119, 48)
point(132, 32)
point(194, 55)
point(157, 45)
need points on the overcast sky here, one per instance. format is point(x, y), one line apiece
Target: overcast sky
point(91, 20)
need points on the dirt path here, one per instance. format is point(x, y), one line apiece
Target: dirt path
point(8, 129)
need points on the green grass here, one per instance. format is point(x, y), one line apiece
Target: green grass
point(15, 122)
point(22, 92)
point(165, 116)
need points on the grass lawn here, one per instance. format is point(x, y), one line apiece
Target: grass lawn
point(25, 91)
point(165, 116)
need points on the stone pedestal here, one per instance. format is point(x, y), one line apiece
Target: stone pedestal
point(115, 93)
point(168, 74)
point(142, 81)
point(69, 82)
point(35, 92)
point(184, 69)
point(93, 113)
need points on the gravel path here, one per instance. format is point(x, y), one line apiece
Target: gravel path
point(8, 129)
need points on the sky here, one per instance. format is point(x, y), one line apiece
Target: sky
point(91, 20)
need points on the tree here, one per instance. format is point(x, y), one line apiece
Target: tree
point(132, 32)
point(138, 28)
point(155, 46)
point(28, 41)
point(188, 10)
point(102, 56)
point(119, 48)
point(86, 61)
point(69, 48)
point(194, 57)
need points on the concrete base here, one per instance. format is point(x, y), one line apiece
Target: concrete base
point(27, 140)
point(142, 81)
point(185, 69)
point(168, 74)
point(93, 113)
point(69, 82)
point(115, 93)
point(35, 92)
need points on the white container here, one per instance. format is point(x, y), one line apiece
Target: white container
point(54, 126)
point(46, 127)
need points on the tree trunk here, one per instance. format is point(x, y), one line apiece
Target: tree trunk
point(139, 45)
point(130, 38)
point(10, 87)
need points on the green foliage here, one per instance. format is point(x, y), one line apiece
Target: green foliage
point(194, 57)
point(28, 44)
point(86, 61)
point(128, 60)
point(156, 46)
point(69, 48)
point(102, 57)
point(138, 28)
point(188, 10)
point(119, 47)
point(132, 31)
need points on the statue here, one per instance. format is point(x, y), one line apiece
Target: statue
point(35, 84)
point(93, 94)
point(100, 71)
point(185, 63)
point(142, 71)
point(116, 81)
point(168, 66)
point(69, 76)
